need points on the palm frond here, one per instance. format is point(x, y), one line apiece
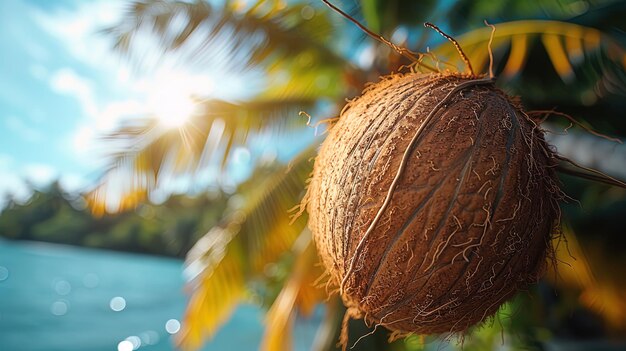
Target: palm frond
point(233, 36)
point(248, 239)
point(592, 276)
point(299, 294)
point(217, 289)
point(292, 48)
point(268, 231)
point(324, 82)
point(148, 154)
point(468, 13)
point(568, 46)
point(383, 16)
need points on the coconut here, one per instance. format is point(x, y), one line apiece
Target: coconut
point(432, 202)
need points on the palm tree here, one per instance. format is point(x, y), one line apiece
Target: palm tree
point(309, 59)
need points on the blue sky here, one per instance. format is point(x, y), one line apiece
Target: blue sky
point(61, 86)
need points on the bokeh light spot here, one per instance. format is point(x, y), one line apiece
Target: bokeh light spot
point(149, 337)
point(172, 326)
point(307, 12)
point(135, 340)
point(117, 303)
point(4, 273)
point(125, 346)
point(59, 308)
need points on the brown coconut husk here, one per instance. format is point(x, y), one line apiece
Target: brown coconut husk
point(433, 201)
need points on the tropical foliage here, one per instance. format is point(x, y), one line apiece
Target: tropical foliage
point(303, 57)
point(169, 229)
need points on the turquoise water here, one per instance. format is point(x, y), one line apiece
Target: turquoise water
point(60, 298)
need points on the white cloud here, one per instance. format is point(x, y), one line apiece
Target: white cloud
point(17, 184)
point(23, 130)
point(78, 29)
point(66, 81)
point(110, 116)
point(85, 146)
point(73, 183)
point(85, 141)
point(11, 184)
point(152, 94)
point(40, 174)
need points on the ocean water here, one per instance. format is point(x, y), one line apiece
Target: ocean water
point(61, 298)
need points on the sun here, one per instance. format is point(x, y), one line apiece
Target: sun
point(172, 97)
point(174, 110)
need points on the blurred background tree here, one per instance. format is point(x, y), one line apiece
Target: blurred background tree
point(168, 229)
point(300, 56)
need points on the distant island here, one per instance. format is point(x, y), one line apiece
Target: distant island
point(168, 229)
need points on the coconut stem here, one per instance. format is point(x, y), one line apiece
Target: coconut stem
point(456, 45)
point(403, 163)
point(400, 50)
point(489, 49)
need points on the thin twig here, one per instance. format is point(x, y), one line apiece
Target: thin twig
point(456, 45)
point(489, 49)
point(574, 121)
point(400, 50)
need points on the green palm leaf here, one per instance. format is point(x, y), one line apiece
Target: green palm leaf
point(471, 13)
point(250, 237)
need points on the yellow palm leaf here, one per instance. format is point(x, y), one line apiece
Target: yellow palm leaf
point(220, 286)
point(572, 269)
point(298, 294)
point(597, 280)
point(574, 49)
point(558, 56)
point(150, 155)
point(268, 230)
point(565, 43)
point(250, 237)
point(517, 58)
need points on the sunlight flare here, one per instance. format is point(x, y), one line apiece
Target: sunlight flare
point(174, 111)
point(171, 97)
